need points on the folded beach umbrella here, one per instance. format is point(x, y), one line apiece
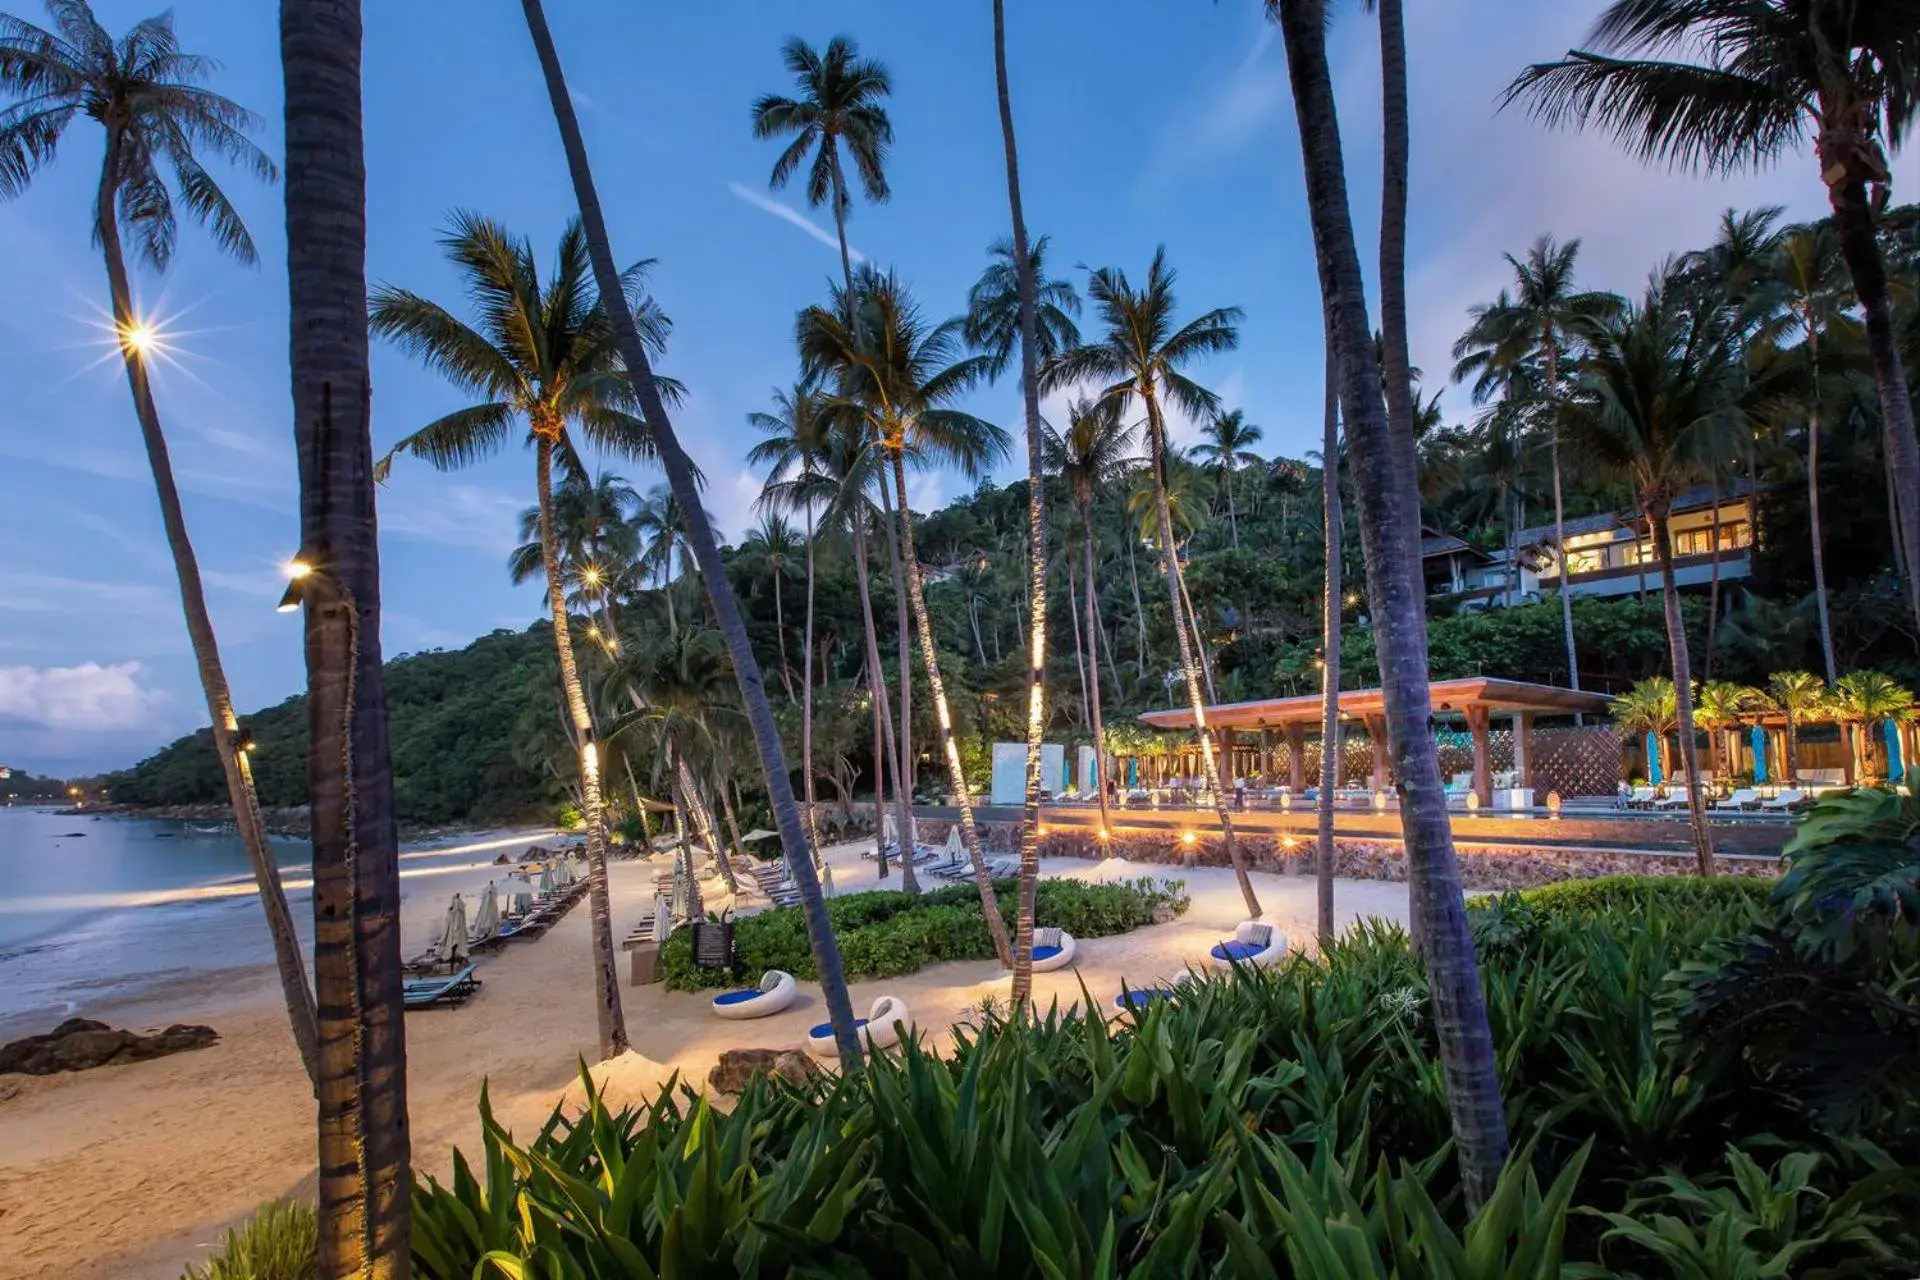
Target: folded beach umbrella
point(546, 880)
point(486, 921)
point(826, 878)
point(890, 829)
point(520, 891)
point(453, 939)
point(955, 848)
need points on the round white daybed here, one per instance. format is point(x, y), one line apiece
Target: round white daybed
point(878, 1030)
point(1052, 949)
point(775, 992)
point(1254, 942)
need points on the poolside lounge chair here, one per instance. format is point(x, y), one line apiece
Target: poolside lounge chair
point(1052, 949)
point(1744, 798)
point(1791, 798)
point(1254, 942)
point(1676, 798)
point(879, 1029)
point(1642, 797)
point(450, 991)
point(775, 992)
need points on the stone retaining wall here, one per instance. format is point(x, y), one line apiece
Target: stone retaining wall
point(1481, 867)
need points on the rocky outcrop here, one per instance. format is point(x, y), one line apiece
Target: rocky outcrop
point(737, 1066)
point(79, 1043)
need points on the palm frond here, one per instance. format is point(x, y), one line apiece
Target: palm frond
point(459, 439)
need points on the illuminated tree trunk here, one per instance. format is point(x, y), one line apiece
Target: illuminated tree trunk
point(364, 1149)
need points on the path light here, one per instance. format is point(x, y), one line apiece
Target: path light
point(1553, 804)
point(1189, 839)
point(1380, 801)
point(1105, 834)
point(1286, 799)
point(297, 571)
point(1473, 802)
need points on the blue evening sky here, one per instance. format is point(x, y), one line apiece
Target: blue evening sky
point(1141, 122)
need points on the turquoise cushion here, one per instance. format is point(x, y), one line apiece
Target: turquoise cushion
point(1045, 953)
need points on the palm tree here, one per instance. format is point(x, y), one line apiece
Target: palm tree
point(900, 374)
point(706, 547)
point(1650, 707)
point(365, 1156)
point(992, 324)
point(1771, 69)
point(146, 94)
point(1797, 694)
point(1141, 355)
point(1864, 698)
point(1227, 442)
point(771, 548)
point(1095, 450)
point(1805, 267)
point(590, 518)
point(1332, 526)
point(1536, 324)
point(1185, 489)
point(1389, 528)
point(569, 381)
point(1721, 707)
point(1665, 380)
point(659, 532)
point(1032, 353)
point(839, 110)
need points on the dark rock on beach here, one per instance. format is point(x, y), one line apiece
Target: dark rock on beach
point(80, 1043)
point(737, 1066)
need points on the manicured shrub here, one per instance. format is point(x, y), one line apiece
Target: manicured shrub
point(883, 933)
point(279, 1242)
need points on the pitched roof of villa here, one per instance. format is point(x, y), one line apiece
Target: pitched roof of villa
point(1599, 522)
point(1448, 697)
point(1443, 544)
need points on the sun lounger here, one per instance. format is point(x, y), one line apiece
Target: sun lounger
point(1744, 798)
point(450, 991)
point(775, 992)
point(1254, 943)
point(1052, 949)
point(1785, 801)
point(879, 1029)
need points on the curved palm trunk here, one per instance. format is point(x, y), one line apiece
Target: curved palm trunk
point(1682, 688)
point(956, 776)
point(1100, 765)
point(364, 1149)
point(1200, 646)
point(1036, 536)
point(1233, 513)
point(1330, 655)
point(706, 549)
point(1156, 463)
point(1713, 581)
point(238, 774)
point(1389, 524)
point(1793, 749)
point(876, 685)
point(1853, 228)
point(606, 977)
point(1139, 606)
point(1396, 365)
point(703, 819)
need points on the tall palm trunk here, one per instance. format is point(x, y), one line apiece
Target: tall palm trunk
point(1332, 520)
point(703, 820)
point(1156, 463)
point(1139, 607)
point(876, 686)
point(606, 975)
point(1233, 514)
point(1552, 349)
point(1793, 749)
point(706, 549)
point(1079, 641)
point(1036, 535)
point(1389, 524)
point(1656, 513)
point(1713, 580)
point(806, 701)
point(1853, 228)
point(234, 766)
point(364, 1149)
point(903, 652)
point(780, 630)
point(1200, 646)
point(1817, 536)
point(1396, 365)
point(1100, 765)
point(956, 776)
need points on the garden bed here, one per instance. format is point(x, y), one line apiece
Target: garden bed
point(886, 932)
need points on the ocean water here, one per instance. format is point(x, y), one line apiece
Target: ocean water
point(105, 910)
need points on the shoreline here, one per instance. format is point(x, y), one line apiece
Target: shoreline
point(289, 821)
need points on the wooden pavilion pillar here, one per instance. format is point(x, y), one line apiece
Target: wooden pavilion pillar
point(1377, 739)
point(1296, 756)
point(1482, 757)
point(1523, 752)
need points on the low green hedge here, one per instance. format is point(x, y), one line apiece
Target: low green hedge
point(1608, 892)
point(885, 932)
point(1727, 904)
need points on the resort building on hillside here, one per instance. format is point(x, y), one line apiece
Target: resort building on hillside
point(1609, 554)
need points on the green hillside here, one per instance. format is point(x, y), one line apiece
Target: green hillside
point(455, 720)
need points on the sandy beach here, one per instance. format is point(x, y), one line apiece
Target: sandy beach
point(127, 1173)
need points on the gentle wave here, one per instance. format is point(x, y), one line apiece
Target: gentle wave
point(204, 893)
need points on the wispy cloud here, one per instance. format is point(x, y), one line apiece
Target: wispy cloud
point(789, 214)
point(88, 696)
point(454, 515)
point(1225, 116)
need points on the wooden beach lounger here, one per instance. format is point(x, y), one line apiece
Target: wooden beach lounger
point(451, 991)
